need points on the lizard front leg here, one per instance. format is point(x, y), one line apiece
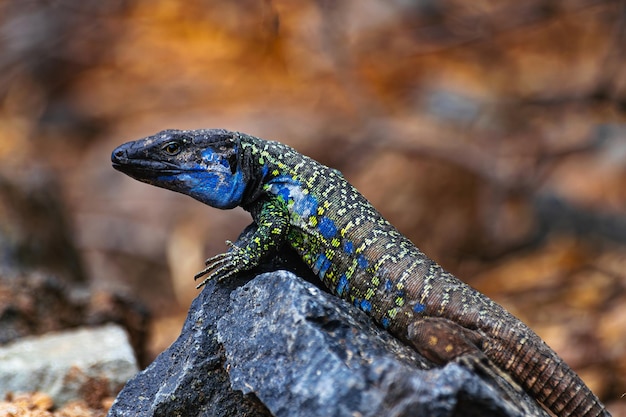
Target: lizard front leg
point(262, 238)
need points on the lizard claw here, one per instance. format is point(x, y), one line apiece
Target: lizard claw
point(223, 265)
point(211, 276)
point(213, 260)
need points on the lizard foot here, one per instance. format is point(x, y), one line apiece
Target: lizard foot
point(224, 265)
point(443, 341)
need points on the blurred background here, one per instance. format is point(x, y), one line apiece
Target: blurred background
point(492, 133)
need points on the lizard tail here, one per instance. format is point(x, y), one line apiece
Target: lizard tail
point(542, 373)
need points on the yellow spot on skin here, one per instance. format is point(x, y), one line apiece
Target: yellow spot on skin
point(432, 340)
point(449, 348)
point(399, 301)
point(375, 281)
point(313, 221)
point(335, 242)
point(369, 294)
point(275, 172)
point(392, 313)
point(320, 211)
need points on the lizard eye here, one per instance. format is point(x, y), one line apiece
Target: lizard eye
point(172, 148)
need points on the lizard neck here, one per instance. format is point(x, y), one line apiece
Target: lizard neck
point(253, 171)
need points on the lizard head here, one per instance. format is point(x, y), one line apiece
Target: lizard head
point(203, 164)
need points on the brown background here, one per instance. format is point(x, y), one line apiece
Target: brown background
point(490, 132)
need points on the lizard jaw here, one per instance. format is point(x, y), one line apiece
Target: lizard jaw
point(140, 168)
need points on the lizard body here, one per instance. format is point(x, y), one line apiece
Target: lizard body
point(358, 254)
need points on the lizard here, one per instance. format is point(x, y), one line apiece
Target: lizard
point(355, 252)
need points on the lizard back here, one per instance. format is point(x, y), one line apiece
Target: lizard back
point(364, 259)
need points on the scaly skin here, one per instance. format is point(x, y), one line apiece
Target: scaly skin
point(358, 255)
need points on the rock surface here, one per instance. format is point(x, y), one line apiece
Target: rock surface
point(68, 365)
point(189, 378)
point(280, 346)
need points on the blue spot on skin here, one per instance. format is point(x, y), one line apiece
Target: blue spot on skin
point(321, 265)
point(284, 193)
point(343, 285)
point(385, 322)
point(327, 227)
point(388, 285)
point(348, 247)
point(362, 262)
point(220, 191)
point(400, 293)
point(304, 204)
point(366, 306)
point(419, 308)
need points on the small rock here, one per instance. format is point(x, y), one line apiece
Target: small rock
point(78, 364)
point(43, 285)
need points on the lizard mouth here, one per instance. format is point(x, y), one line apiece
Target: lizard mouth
point(139, 166)
point(145, 169)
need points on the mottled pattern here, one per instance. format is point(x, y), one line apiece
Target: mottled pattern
point(362, 258)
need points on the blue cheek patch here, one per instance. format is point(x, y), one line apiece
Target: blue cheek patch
point(366, 306)
point(209, 156)
point(212, 181)
point(166, 179)
point(220, 190)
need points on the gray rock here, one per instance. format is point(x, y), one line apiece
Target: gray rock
point(304, 352)
point(280, 346)
point(66, 365)
point(189, 378)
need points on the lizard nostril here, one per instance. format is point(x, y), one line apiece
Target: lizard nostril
point(118, 153)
